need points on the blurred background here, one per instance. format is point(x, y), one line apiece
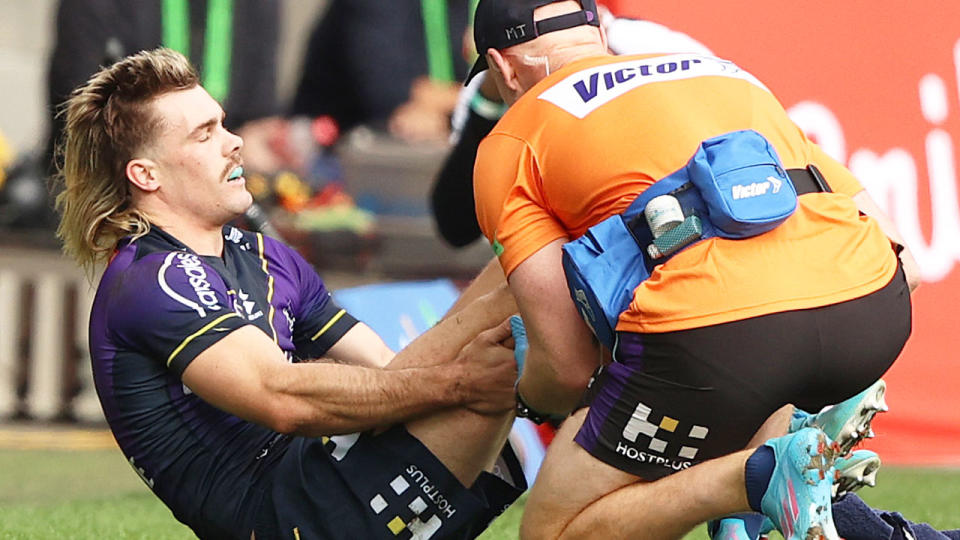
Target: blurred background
point(346, 108)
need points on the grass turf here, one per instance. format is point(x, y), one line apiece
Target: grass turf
point(95, 495)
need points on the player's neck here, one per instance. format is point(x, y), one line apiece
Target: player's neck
point(203, 236)
point(203, 239)
point(208, 243)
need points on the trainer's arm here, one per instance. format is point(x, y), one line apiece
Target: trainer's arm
point(562, 354)
point(246, 374)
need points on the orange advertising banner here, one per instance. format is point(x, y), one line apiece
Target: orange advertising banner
point(877, 84)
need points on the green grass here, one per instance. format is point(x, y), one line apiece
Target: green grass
point(95, 495)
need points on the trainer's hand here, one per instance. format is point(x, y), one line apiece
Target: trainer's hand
point(489, 372)
point(910, 269)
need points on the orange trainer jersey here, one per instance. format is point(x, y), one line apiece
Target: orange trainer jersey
point(581, 144)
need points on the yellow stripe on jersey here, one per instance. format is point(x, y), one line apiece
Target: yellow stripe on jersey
point(193, 336)
point(263, 265)
point(330, 323)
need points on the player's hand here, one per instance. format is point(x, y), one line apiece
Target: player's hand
point(490, 372)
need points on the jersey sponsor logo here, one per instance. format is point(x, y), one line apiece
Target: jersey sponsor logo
point(249, 311)
point(585, 91)
point(756, 189)
point(234, 235)
point(667, 433)
point(431, 491)
point(409, 507)
point(631, 452)
point(291, 319)
point(196, 276)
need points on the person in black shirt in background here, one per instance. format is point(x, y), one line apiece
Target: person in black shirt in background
point(233, 43)
point(393, 66)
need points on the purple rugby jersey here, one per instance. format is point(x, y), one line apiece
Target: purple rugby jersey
point(157, 307)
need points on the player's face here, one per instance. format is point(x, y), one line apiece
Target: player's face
point(197, 159)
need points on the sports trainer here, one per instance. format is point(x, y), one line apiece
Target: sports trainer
point(721, 334)
point(479, 108)
point(246, 400)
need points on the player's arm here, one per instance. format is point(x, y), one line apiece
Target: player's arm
point(460, 362)
point(562, 354)
point(361, 346)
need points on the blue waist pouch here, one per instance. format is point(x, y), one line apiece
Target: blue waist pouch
point(734, 187)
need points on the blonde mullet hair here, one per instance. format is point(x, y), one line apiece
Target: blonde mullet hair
point(108, 121)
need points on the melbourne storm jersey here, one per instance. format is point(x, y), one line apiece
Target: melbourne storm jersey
point(158, 306)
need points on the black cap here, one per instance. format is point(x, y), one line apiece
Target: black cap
point(499, 24)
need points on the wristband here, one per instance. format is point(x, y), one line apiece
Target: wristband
point(486, 108)
point(525, 411)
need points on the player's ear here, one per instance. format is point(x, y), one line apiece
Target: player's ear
point(142, 173)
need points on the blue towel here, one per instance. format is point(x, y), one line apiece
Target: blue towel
point(855, 520)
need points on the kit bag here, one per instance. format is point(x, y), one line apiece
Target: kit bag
point(734, 187)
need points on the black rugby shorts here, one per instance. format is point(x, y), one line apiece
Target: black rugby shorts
point(379, 486)
point(674, 399)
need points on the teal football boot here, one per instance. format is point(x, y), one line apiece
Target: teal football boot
point(854, 471)
point(848, 422)
point(798, 497)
